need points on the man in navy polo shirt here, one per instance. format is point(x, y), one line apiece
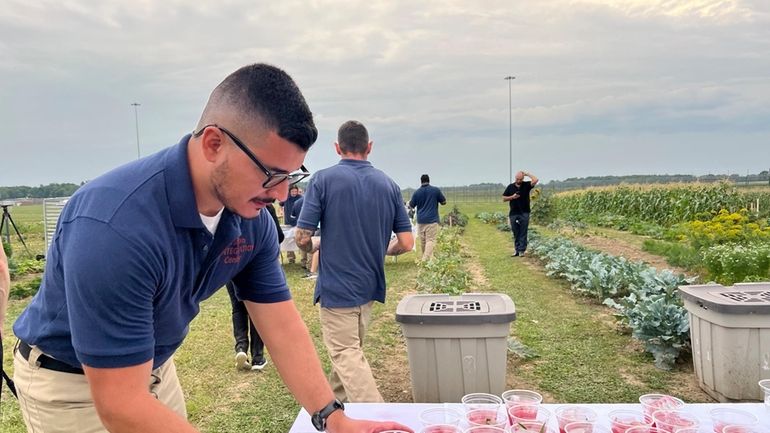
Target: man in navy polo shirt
point(426, 200)
point(137, 250)
point(358, 207)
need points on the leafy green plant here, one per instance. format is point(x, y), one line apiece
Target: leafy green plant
point(26, 266)
point(25, 289)
point(676, 253)
point(455, 218)
point(445, 271)
point(734, 263)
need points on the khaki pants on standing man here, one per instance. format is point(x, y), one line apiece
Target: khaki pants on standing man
point(427, 234)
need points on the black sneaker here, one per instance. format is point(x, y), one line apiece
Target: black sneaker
point(258, 364)
point(516, 254)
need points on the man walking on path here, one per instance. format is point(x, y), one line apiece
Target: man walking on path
point(517, 196)
point(358, 207)
point(426, 200)
point(138, 249)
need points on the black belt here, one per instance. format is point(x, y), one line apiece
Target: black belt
point(47, 362)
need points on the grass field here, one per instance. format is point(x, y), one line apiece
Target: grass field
point(582, 355)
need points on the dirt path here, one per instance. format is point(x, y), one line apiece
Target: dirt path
point(618, 244)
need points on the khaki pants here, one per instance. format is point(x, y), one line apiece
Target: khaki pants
point(427, 234)
point(343, 331)
point(55, 402)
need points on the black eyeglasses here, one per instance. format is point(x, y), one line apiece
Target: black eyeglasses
point(273, 179)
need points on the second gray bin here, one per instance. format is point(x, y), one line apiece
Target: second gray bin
point(457, 344)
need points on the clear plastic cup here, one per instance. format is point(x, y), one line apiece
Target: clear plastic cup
point(671, 421)
point(485, 429)
point(742, 429)
point(652, 402)
point(644, 429)
point(570, 414)
point(623, 419)
point(585, 427)
point(441, 428)
point(722, 417)
point(530, 427)
point(486, 417)
point(440, 416)
point(528, 412)
point(521, 396)
point(481, 400)
point(765, 386)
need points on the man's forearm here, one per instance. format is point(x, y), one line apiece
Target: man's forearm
point(147, 415)
point(303, 239)
point(292, 350)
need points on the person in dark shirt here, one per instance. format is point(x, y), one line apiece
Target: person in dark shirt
point(517, 196)
point(243, 327)
point(291, 220)
point(426, 200)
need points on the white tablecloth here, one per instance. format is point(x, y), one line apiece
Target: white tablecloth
point(408, 413)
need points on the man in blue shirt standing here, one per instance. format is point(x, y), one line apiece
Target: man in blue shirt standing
point(426, 200)
point(358, 207)
point(138, 249)
point(291, 220)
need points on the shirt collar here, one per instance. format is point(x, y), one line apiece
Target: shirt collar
point(179, 188)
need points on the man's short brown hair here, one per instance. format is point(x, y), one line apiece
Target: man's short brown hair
point(353, 137)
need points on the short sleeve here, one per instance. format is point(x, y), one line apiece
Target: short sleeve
point(310, 215)
point(110, 283)
point(508, 190)
point(401, 221)
point(263, 280)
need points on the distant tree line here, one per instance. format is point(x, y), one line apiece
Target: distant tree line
point(584, 182)
point(42, 191)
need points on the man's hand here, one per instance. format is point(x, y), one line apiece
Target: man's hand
point(338, 422)
point(303, 238)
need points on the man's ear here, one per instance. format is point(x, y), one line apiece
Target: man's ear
point(337, 148)
point(211, 144)
point(369, 147)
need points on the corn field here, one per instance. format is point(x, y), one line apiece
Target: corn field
point(661, 204)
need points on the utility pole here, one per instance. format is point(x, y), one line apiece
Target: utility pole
point(136, 121)
point(510, 131)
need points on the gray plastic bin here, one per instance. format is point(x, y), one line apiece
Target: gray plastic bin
point(730, 333)
point(457, 344)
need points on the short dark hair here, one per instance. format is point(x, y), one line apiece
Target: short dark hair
point(353, 137)
point(269, 93)
point(424, 179)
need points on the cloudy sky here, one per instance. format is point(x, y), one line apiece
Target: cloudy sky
point(602, 86)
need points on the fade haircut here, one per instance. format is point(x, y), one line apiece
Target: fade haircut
point(266, 94)
point(353, 137)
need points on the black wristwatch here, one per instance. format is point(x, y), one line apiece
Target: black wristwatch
point(319, 418)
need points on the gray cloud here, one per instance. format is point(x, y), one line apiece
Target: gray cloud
point(602, 87)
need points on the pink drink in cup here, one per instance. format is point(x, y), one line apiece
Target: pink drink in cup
point(743, 429)
point(483, 417)
point(652, 402)
point(585, 427)
point(521, 398)
point(485, 429)
point(671, 421)
point(528, 412)
point(570, 414)
point(530, 427)
point(644, 429)
point(622, 420)
point(722, 417)
point(441, 428)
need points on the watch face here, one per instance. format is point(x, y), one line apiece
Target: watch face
point(318, 422)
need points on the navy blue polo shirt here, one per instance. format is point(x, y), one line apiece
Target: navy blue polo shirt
point(426, 200)
point(131, 261)
point(287, 207)
point(358, 207)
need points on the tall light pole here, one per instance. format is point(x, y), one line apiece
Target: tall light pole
point(510, 132)
point(136, 121)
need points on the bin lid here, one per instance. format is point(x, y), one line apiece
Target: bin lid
point(742, 298)
point(468, 308)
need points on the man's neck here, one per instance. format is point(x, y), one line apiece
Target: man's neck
point(354, 156)
point(426, 184)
